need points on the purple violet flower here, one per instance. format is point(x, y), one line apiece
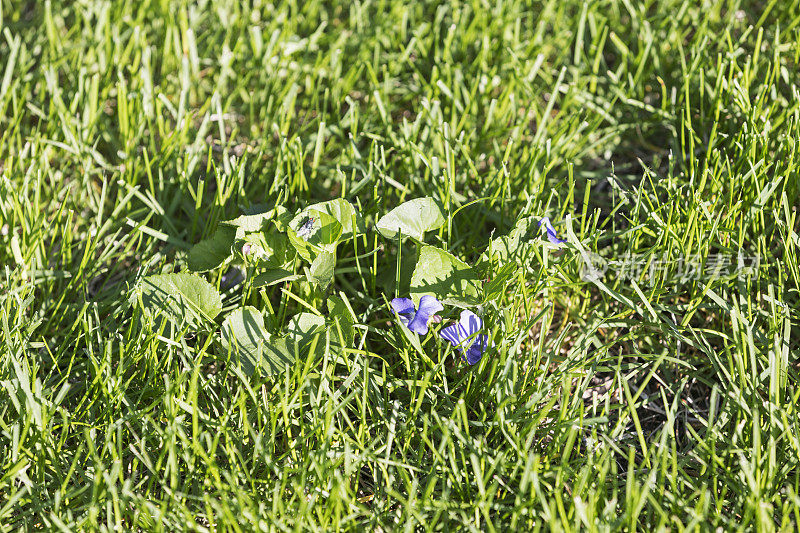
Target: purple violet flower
point(551, 232)
point(417, 319)
point(464, 336)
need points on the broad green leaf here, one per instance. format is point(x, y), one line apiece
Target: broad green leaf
point(341, 318)
point(445, 276)
point(281, 219)
point(184, 298)
point(412, 219)
point(249, 223)
point(253, 222)
point(265, 249)
point(344, 212)
point(243, 333)
point(280, 353)
point(208, 254)
point(517, 246)
point(319, 232)
point(303, 327)
point(310, 331)
point(273, 276)
point(322, 269)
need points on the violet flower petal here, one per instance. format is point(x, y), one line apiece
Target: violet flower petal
point(464, 336)
point(428, 306)
point(476, 351)
point(551, 232)
point(404, 308)
point(453, 333)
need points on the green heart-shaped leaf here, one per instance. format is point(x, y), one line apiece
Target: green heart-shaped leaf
point(183, 298)
point(412, 219)
point(344, 212)
point(322, 269)
point(243, 334)
point(312, 232)
point(252, 222)
point(443, 275)
point(304, 326)
point(273, 276)
point(208, 254)
point(515, 247)
point(341, 319)
point(266, 249)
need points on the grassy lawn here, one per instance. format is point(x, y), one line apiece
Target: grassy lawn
point(205, 217)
